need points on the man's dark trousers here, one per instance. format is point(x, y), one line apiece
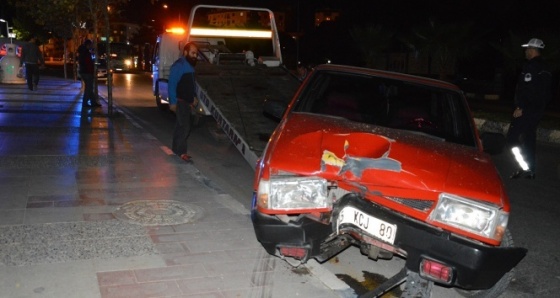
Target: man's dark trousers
point(182, 127)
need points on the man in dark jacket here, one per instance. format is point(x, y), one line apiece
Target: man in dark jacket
point(182, 98)
point(531, 97)
point(32, 57)
point(86, 71)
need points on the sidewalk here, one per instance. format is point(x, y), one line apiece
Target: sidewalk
point(93, 206)
point(543, 134)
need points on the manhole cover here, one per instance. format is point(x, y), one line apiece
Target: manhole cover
point(158, 213)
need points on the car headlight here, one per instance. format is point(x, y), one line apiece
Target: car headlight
point(128, 62)
point(294, 194)
point(482, 219)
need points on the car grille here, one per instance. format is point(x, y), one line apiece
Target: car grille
point(422, 205)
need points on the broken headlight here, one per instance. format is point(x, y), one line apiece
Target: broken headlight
point(485, 220)
point(294, 194)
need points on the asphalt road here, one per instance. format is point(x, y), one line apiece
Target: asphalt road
point(534, 221)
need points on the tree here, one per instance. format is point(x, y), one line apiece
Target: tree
point(373, 42)
point(54, 17)
point(70, 19)
point(443, 44)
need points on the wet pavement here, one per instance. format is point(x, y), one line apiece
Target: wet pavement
point(94, 206)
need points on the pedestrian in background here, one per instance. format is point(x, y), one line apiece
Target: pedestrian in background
point(532, 94)
point(33, 60)
point(86, 71)
point(182, 98)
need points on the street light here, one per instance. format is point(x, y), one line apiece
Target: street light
point(7, 29)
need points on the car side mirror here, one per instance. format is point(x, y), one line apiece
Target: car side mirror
point(493, 142)
point(274, 108)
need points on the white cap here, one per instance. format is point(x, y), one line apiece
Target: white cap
point(534, 43)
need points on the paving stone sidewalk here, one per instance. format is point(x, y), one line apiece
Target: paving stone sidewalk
point(64, 173)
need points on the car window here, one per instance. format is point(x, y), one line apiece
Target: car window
point(392, 103)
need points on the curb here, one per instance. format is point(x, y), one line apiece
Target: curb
point(326, 277)
point(543, 134)
point(329, 279)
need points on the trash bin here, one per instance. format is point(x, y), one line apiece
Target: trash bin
point(9, 67)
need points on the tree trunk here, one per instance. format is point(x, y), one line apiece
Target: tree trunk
point(109, 73)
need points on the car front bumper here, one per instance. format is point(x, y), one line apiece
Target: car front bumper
point(475, 265)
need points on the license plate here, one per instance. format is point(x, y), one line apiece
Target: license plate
point(371, 225)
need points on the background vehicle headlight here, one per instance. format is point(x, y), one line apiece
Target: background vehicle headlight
point(294, 194)
point(482, 219)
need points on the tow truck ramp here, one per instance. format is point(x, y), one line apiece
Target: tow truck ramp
point(232, 85)
point(234, 95)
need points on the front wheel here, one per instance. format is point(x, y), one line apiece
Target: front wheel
point(161, 106)
point(500, 287)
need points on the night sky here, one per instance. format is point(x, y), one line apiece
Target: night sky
point(493, 19)
point(530, 16)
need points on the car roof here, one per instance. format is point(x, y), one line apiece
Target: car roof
point(387, 74)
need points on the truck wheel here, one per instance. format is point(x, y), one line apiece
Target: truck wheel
point(161, 106)
point(501, 285)
point(416, 286)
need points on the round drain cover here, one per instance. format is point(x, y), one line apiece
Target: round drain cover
point(158, 213)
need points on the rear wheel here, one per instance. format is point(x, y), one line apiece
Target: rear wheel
point(161, 106)
point(501, 285)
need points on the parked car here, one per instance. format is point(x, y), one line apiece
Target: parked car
point(102, 69)
point(393, 164)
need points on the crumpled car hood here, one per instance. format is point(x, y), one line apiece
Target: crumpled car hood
point(373, 156)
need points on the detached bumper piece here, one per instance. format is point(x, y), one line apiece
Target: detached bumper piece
point(388, 285)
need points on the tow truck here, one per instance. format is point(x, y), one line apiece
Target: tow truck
point(231, 86)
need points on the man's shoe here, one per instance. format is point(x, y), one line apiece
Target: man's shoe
point(186, 157)
point(529, 174)
point(523, 174)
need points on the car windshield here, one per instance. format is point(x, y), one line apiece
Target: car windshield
point(391, 103)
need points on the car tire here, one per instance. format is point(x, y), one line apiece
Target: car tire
point(500, 287)
point(161, 106)
point(416, 286)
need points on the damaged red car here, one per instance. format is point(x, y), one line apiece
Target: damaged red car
point(393, 164)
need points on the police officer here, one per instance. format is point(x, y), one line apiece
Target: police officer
point(532, 94)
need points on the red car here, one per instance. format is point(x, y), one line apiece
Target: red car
point(393, 164)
